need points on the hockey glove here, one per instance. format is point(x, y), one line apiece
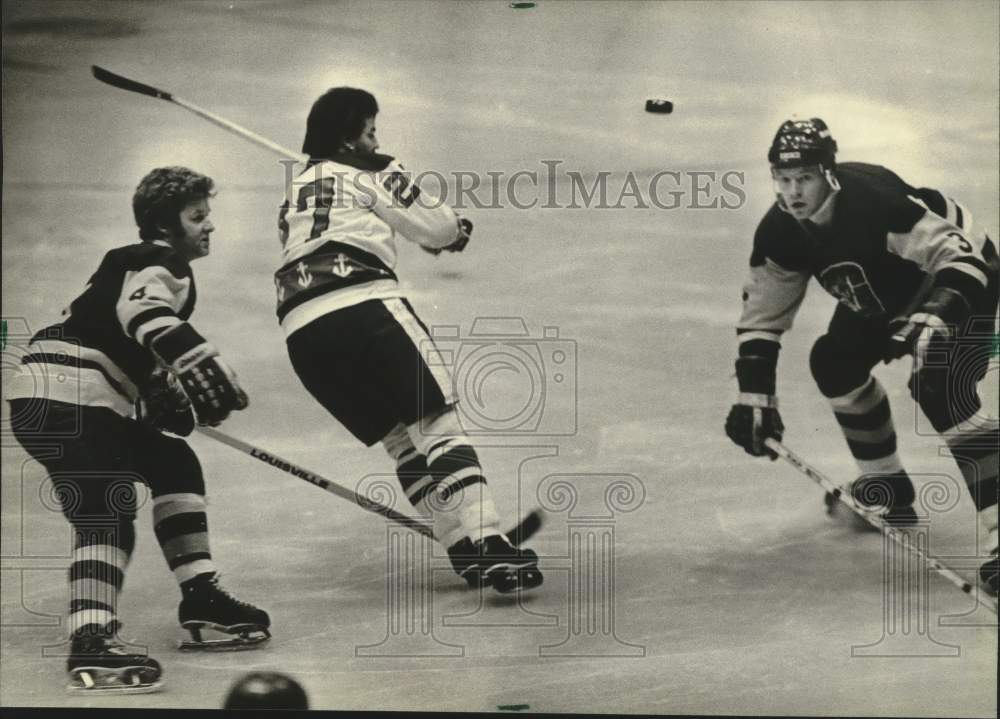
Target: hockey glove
point(929, 328)
point(752, 420)
point(206, 380)
point(465, 233)
point(755, 416)
point(164, 406)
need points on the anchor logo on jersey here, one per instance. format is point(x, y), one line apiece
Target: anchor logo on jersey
point(341, 266)
point(305, 279)
point(281, 290)
point(848, 282)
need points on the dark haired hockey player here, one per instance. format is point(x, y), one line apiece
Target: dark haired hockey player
point(358, 346)
point(912, 277)
point(96, 393)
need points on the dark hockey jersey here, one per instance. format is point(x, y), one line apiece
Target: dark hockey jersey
point(99, 353)
point(883, 245)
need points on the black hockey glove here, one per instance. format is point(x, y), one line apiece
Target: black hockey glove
point(164, 406)
point(930, 328)
point(206, 380)
point(752, 420)
point(755, 416)
point(465, 233)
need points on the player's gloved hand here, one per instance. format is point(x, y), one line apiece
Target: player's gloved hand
point(929, 328)
point(206, 380)
point(752, 420)
point(464, 235)
point(164, 406)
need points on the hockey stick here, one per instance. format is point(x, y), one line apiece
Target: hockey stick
point(521, 533)
point(894, 534)
point(125, 83)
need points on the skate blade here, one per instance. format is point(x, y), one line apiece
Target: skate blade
point(101, 681)
point(515, 578)
point(206, 637)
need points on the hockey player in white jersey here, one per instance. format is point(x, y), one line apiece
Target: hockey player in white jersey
point(358, 346)
point(913, 277)
point(101, 388)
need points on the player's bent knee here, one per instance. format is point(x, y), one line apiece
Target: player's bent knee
point(834, 372)
point(430, 432)
point(174, 468)
point(397, 443)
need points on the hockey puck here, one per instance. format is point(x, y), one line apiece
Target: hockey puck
point(522, 5)
point(660, 107)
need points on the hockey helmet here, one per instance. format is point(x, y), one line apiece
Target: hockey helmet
point(799, 143)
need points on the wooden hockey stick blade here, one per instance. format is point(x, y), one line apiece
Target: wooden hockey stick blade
point(121, 82)
point(125, 83)
point(526, 528)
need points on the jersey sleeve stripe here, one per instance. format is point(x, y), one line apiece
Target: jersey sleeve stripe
point(969, 266)
point(749, 335)
point(65, 360)
point(136, 328)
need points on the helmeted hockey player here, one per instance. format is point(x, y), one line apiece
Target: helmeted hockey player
point(358, 346)
point(94, 396)
point(911, 277)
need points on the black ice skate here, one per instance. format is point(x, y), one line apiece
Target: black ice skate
point(493, 561)
point(890, 495)
point(207, 607)
point(99, 663)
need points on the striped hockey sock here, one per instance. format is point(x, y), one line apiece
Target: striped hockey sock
point(463, 503)
point(96, 573)
point(182, 530)
point(866, 421)
point(976, 450)
point(415, 479)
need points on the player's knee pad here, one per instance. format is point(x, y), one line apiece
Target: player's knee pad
point(397, 443)
point(946, 396)
point(835, 372)
point(118, 533)
point(431, 434)
point(174, 469)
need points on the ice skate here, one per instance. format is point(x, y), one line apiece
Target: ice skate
point(218, 621)
point(493, 561)
point(98, 663)
point(889, 496)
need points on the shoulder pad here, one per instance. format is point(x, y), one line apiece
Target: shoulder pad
point(372, 162)
point(146, 254)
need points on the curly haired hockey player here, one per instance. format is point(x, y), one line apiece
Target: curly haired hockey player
point(358, 346)
point(122, 367)
point(911, 277)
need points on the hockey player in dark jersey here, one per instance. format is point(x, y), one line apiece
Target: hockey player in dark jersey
point(358, 346)
point(912, 277)
point(94, 396)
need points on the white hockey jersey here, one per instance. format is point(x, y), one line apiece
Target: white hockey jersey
point(338, 229)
